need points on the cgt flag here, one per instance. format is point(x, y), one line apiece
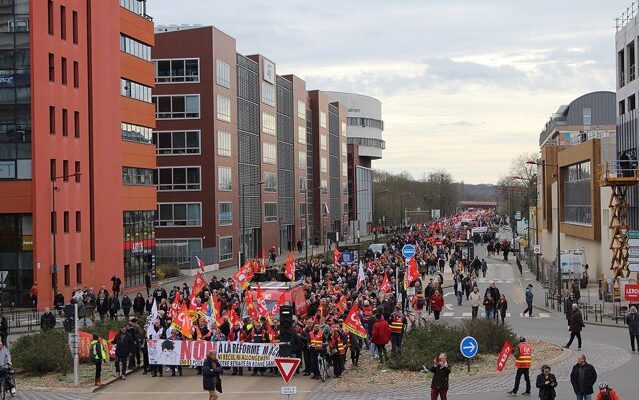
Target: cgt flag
point(290, 268)
point(353, 323)
point(336, 257)
point(506, 351)
point(385, 287)
point(411, 274)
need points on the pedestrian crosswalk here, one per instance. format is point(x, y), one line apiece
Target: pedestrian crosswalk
point(497, 281)
point(460, 315)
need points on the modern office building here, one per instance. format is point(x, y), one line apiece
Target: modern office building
point(577, 140)
point(77, 199)
point(364, 127)
point(245, 165)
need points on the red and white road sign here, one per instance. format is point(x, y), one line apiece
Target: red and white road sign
point(287, 367)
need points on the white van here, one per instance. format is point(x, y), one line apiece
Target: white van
point(377, 248)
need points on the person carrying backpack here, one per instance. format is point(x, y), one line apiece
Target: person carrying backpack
point(606, 393)
point(418, 303)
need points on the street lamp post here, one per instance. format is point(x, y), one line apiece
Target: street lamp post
point(529, 183)
point(243, 222)
point(54, 267)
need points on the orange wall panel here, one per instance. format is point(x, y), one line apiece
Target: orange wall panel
point(16, 197)
point(136, 26)
point(138, 155)
point(137, 112)
point(137, 69)
point(139, 197)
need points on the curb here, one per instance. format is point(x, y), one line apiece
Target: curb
point(112, 380)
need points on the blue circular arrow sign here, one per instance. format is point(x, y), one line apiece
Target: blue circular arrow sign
point(468, 347)
point(408, 250)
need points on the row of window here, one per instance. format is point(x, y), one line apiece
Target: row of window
point(135, 48)
point(136, 6)
point(177, 106)
point(177, 142)
point(53, 171)
point(368, 142)
point(177, 70)
point(190, 214)
point(137, 133)
point(66, 225)
point(63, 22)
point(137, 176)
point(365, 122)
point(64, 71)
point(135, 90)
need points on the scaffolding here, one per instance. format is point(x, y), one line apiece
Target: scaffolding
point(619, 176)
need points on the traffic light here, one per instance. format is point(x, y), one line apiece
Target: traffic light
point(69, 318)
point(286, 323)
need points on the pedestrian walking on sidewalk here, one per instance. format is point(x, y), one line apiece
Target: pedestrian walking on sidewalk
point(439, 383)
point(632, 320)
point(546, 383)
point(211, 370)
point(529, 301)
point(475, 301)
point(583, 378)
point(502, 307)
point(576, 324)
point(523, 362)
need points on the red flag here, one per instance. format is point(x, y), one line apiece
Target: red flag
point(111, 347)
point(262, 310)
point(175, 306)
point(281, 302)
point(250, 306)
point(336, 256)
point(200, 263)
point(353, 324)
point(371, 266)
point(385, 286)
point(233, 317)
point(290, 268)
point(243, 276)
point(412, 272)
point(183, 323)
point(342, 304)
point(506, 351)
point(198, 285)
point(263, 264)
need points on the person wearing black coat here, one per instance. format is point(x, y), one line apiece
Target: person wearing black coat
point(211, 371)
point(583, 377)
point(439, 383)
point(124, 347)
point(114, 307)
point(47, 321)
point(138, 304)
point(126, 305)
point(546, 383)
point(632, 321)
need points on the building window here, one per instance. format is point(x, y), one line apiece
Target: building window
point(67, 275)
point(344, 169)
point(177, 142)
point(345, 208)
point(268, 124)
point(344, 149)
point(75, 28)
point(65, 221)
point(343, 128)
point(303, 210)
point(223, 74)
point(323, 141)
point(225, 213)
point(270, 212)
point(363, 122)
point(76, 74)
point(301, 109)
point(269, 153)
point(78, 221)
point(139, 245)
point(78, 273)
point(177, 106)
point(50, 17)
point(268, 94)
point(322, 120)
point(136, 133)
point(63, 24)
point(136, 6)
point(136, 49)
point(301, 162)
point(137, 176)
point(54, 222)
point(632, 102)
point(65, 122)
point(345, 188)
point(324, 209)
point(135, 90)
point(65, 170)
point(51, 67)
point(323, 165)
point(301, 134)
point(223, 144)
point(323, 186)
point(176, 70)
point(270, 182)
point(223, 108)
point(302, 184)
point(224, 179)
point(76, 172)
point(622, 107)
point(577, 193)
point(178, 178)
point(587, 116)
point(76, 124)
point(191, 245)
point(53, 170)
point(179, 214)
point(52, 120)
point(226, 248)
point(63, 70)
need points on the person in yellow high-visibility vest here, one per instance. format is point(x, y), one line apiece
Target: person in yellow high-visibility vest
point(98, 354)
point(523, 362)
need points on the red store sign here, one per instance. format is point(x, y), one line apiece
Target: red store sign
point(631, 292)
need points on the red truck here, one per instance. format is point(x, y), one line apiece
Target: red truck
point(272, 291)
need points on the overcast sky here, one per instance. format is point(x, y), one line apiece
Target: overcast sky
point(465, 85)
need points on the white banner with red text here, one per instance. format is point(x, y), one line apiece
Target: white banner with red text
point(230, 354)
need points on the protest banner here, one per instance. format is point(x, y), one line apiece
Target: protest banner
point(230, 354)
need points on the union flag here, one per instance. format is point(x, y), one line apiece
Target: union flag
point(385, 287)
point(199, 283)
point(342, 304)
point(353, 323)
point(183, 323)
point(243, 276)
point(290, 268)
point(412, 272)
point(336, 257)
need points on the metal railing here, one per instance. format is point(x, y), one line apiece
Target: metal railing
point(619, 169)
point(626, 16)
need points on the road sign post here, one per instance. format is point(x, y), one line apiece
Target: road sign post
point(408, 251)
point(287, 368)
point(469, 348)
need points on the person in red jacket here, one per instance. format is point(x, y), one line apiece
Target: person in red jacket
point(381, 336)
point(437, 301)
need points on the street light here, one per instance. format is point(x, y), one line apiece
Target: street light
point(243, 222)
point(528, 184)
point(54, 268)
point(543, 166)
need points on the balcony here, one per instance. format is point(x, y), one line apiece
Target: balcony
point(367, 142)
